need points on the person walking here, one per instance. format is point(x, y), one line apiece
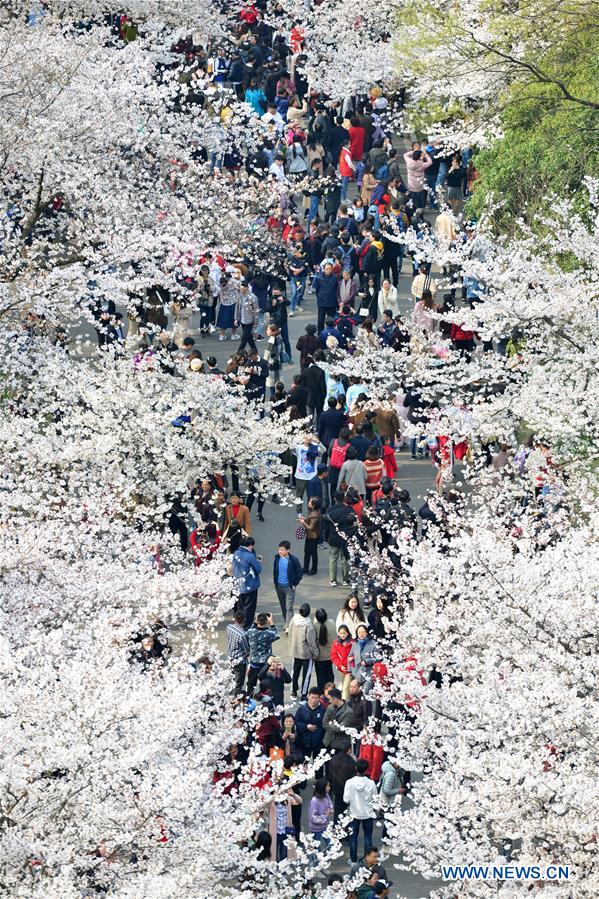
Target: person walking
point(246, 572)
point(237, 510)
point(325, 287)
point(365, 653)
point(314, 380)
point(341, 768)
point(261, 636)
point(308, 721)
point(238, 651)
point(342, 524)
point(374, 469)
point(303, 649)
point(312, 525)
point(337, 719)
point(338, 447)
point(360, 793)
point(352, 472)
point(325, 636)
point(287, 573)
point(320, 812)
point(339, 653)
point(307, 454)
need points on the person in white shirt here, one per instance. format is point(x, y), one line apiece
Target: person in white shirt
point(360, 793)
point(278, 171)
point(274, 118)
point(387, 298)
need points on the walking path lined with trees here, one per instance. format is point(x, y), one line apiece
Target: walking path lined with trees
point(193, 196)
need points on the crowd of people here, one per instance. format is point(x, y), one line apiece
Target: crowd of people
point(347, 198)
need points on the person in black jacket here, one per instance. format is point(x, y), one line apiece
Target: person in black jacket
point(307, 344)
point(360, 706)
point(345, 324)
point(299, 396)
point(330, 423)
point(339, 770)
point(360, 443)
point(343, 524)
point(277, 307)
point(332, 194)
point(314, 379)
point(237, 74)
point(334, 140)
point(314, 246)
point(308, 722)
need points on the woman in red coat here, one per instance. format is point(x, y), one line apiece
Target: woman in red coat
point(204, 543)
point(339, 652)
point(357, 136)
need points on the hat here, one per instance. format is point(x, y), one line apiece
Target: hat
point(322, 467)
point(380, 886)
point(196, 364)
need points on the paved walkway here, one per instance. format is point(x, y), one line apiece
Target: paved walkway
point(280, 523)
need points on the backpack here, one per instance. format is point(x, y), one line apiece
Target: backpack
point(346, 258)
point(363, 251)
point(338, 454)
point(382, 173)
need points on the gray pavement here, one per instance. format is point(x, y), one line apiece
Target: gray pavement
point(280, 524)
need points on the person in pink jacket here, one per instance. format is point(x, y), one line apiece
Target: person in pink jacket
point(417, 162)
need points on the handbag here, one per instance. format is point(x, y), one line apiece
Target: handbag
point(300, 532)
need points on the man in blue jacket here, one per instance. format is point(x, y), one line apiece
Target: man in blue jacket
point(330, 330)
point(308, 723)
point(246, 571)
point(325, 286)
point(287, 573)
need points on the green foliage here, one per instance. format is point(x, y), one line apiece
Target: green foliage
point(528, 69)
point(549, 146)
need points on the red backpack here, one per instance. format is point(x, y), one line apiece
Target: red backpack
point(338, 454)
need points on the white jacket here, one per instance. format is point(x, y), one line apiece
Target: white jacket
point(360, 792)
point(388, 301)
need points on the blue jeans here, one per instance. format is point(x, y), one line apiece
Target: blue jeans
point(323, 844)
point(216, 161)
point(281, 846)
point(354, 829)
point(259, 323)
point(298, 286)
point(313, 210)
point(345, 179)
point(285, 338)
point(431, 183)
point(442, 174)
